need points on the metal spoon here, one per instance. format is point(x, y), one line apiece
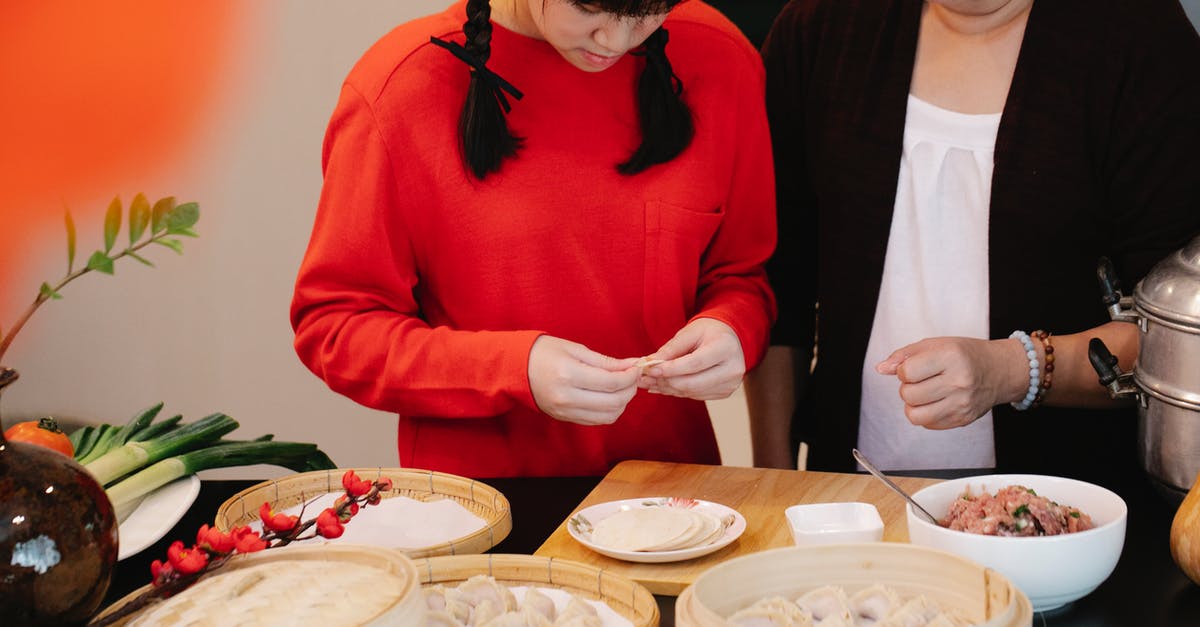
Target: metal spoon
point(862, 459)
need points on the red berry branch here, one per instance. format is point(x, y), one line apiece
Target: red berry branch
point(185, 566)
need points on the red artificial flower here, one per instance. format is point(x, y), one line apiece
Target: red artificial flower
point(329, 525)
point(350, 511)
point(186, 561)
point(160, 572)
point(214, 540)
point(355, 486)
point(246, 540)
point(384, 484)
point(276, 522)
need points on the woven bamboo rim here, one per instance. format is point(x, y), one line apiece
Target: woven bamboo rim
point(948, 579)
point(625, 596)
point(421, 485)
point(387, 560)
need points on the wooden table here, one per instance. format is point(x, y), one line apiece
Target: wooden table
point(760, 495)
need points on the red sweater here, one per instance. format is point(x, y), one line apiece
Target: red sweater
point(423, 290)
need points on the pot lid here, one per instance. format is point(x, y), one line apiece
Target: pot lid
point(1172, 288)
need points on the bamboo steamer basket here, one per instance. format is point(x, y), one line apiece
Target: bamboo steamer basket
point(985, 596)
point(421, 485)
point(408, 608)
point(625, 596)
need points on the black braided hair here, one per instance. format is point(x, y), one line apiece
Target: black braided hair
point(665, 119)
point(482, 129)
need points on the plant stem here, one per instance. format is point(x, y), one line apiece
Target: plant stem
point(41, 297)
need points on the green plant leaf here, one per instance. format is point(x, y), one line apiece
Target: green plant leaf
point(100, 262)
point(173, 244)
point(112, 223)
point(140, 258)
point(183, 216)
point(139, 217)
point(70, 240)
point(163, 207)
point(49, 292)
point(184, 231)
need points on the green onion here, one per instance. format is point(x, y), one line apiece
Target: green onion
point(1074, 513)
point(1024, 509)
point(77, 436)
point(156, 429)
point(131, 456)
point(296, 456)
point(136, 424)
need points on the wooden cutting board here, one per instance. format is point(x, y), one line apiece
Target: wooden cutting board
point(760, 495)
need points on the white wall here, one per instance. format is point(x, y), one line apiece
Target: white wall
point(208, 331)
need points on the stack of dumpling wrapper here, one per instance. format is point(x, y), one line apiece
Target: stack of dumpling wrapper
point(829, 606)
point(481, 601)
point(657, 529)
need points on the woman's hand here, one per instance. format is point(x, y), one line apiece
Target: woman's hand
point(949, 382)
point(703, 361)
point(575, 384)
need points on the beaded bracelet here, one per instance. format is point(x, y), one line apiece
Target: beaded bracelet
point(1047, 368)
point(1034, 372)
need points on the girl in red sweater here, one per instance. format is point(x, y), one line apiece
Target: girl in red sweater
point(522, 199)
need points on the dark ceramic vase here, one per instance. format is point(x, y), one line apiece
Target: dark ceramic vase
point(58, 536)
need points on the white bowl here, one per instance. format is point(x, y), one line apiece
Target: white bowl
point(1051, 570)
point(834, 523)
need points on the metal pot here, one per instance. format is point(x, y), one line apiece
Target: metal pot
point(1166, 376)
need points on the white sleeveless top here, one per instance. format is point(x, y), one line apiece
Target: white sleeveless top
point(935, 282)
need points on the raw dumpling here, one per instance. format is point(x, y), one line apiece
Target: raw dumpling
point(483, 588)
point(827, 603)
point(578, 613)
point(523, 618)
point(873, 604)
point(540, 603)
point(772, 612)
point(917, 612)
point(484, 612)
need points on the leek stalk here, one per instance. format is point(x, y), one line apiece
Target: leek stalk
point(296, 456)
point(131, 456)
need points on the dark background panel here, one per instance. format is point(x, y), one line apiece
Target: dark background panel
point(754, 17)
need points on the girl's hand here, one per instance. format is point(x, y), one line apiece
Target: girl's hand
point(704, 361)
point(575, 384)
point(948, 382)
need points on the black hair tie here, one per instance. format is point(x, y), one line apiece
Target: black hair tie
point(493, 80)
point(654, 49)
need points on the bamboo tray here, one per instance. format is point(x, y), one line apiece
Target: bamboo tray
point(981, 594)
point(421, 485)
point(623, 595)
point(408, 607)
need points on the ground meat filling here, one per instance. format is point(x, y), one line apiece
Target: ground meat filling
point(1013, 511)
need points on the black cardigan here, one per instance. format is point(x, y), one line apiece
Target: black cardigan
point(1098, 153)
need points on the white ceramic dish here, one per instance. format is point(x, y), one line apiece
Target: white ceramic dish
point(833, 523)
point(1051, 570)
point(156, 515)
point(578, 526)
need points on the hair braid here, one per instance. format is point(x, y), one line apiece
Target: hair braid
point(665, 119)
point(483, 131)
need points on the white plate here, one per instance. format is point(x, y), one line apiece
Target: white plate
point(578, 525)
point(156, 515)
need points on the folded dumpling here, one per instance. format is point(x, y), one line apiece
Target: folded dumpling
point(827, 605)
point(771, 612)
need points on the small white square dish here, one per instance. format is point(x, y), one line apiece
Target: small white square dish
point(834, 523)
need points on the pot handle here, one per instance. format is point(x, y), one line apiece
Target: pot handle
point(1119, 384)
point(1119, 307)
point(1103, 362)
point(1110, 285)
